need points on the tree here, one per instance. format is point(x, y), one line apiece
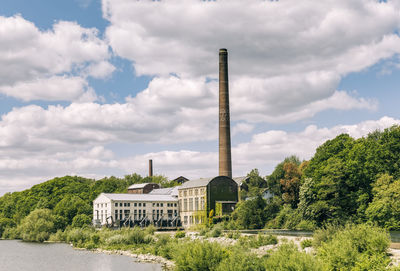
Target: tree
point(81, 220)
point(249, 214)
point(37, 226)
point(385, 206)
point(291, 183)
point(70, 206)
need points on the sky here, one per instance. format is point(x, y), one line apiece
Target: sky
point(97, 88)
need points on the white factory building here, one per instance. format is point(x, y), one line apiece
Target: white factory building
point(137, 209)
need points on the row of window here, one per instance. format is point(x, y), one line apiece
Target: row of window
point(188, 220)
point(199, 204)
point(140, 214)
point(100, 205)
point(140, 204)
point(192, 192)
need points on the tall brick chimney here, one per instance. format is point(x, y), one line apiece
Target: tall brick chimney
point(225, 161)
point(150, 168)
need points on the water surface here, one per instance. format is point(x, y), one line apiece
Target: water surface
point(18, 256)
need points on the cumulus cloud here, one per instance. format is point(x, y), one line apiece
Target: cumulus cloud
point(263, 151)
point(50, 64)
point(284, 55)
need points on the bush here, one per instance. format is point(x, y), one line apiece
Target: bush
point(306, 225)
point(355, 246)
point(306, 243)
point(180, 234)
point(287, 258)
point(164, 246)
point(11, 233)
point(216, 231)
point(198, 256)
point(5, 223)
point(257, 241)
point(78, 236)
point(233, 234)
point(241, 261)
point(81, 220)
point(150, 230)
point(37, 226)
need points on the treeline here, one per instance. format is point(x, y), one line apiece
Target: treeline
point(347, 180)
point(67, 200)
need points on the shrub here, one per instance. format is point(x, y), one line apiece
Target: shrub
point(216, 231)
point(180, 234)
point(257, 241)
point(241, 261)
point(355, 246)
point(306, 243)
point(287, 257)
point(306, 225)
point(150, 230)
point(198, 256)
point(78, 236)
point(233, 234)
point(5, 223)
point(164, 246)
point(11, 233)
point(81, 220)
point(37, 226)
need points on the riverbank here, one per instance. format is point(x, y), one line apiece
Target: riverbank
point(224, 241)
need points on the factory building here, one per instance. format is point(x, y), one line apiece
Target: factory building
point(136, 209)
point(198, 197)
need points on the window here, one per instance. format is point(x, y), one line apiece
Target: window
point(185, 208)
point(129, 204)
point(196, 192)
point(191, 204)
point(180, 204)
point(185, 220)
point(185, 193)
point(180, 193)
point(135, 204)
point(154, 204)
point(116, 204)
point(144, 204)
point(191, 192)
point(120, 204)
point(144, 212)
point(126, 213)
point(101, 216)
point(158, 204)
point(196, 204)
point(106, 205)
point(125, 204)
point(116, 214)
point(175, 205)
point(161, 204)
point(140, 204)
point(120, 214)
point(202, 203)
point(102, 205)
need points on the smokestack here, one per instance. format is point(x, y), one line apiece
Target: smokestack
point(225, 161)
point(150, 168)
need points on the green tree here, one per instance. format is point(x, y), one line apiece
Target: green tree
point(70, 206)
point(385, 206)
point(81, 220)
point(37, 226)
point(250, 214)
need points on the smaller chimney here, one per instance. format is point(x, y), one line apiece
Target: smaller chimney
point(150, 168)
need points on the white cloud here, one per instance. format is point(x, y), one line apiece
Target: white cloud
point(286, 58)
point(50, 64)
point(19, 169)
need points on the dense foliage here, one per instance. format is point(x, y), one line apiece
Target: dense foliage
point(347, 180)
point(67, 199)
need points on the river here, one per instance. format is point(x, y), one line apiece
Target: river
point(23, 256)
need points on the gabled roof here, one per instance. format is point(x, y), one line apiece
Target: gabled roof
point(138, 185)
point(240, 180)
point(173, 191)
point(138, 197)
point(196, 183)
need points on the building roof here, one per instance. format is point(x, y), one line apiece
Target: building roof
point(173, 191)
point(239, 180)
point(139, 197)
point(138, 185)
point(196, 183)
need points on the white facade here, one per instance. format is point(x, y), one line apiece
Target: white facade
point(134, 206)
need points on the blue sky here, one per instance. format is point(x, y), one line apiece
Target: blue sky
point(96, 88)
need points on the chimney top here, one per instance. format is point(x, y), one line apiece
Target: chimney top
point(223, 51)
